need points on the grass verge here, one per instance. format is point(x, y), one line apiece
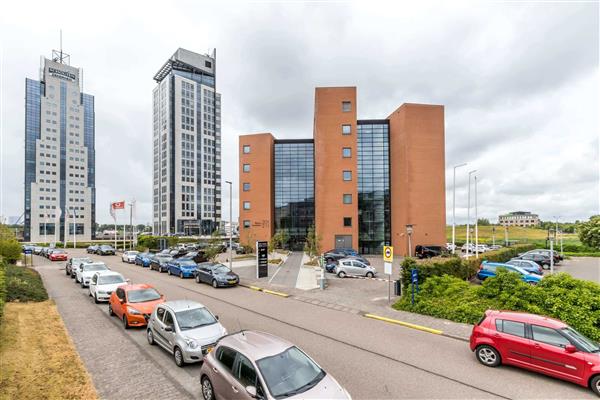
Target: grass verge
point(37, 358)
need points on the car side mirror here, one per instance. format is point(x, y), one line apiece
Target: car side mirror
point(122, 301)
point(251, 390)
point(570, 348)
point(128, 280)
point(168, 328)
point(217, 317)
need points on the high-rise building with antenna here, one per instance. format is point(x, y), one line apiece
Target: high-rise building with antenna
point(60, 188)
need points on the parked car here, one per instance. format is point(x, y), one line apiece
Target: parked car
point(488, 270)
point(143, 259)
point(269, 368)
point(541, 259)
point(428, 251)
point(159, 262)
point(450, 247)
point(181, 267)
point(129, 256)
point(337, 254)
point(545, 252)
point(105, 250)
point(133, 304)
point(215, 274)
point(58, 255)
point(103, 283)
point(74, 263)
point(470, 247)
point(330, 267)
point(186, 329)
point(92, 249)
point(45, 251)
point(27, 248)
point(481, 248)
point(539, 344)
point(495, 247)
point(354, 267)
point(87, 270)
point(530, 266)
point(197, 256)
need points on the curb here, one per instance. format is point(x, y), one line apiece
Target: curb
point(405, 324)
point(259, 289)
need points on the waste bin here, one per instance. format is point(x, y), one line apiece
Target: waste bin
point(397, 288)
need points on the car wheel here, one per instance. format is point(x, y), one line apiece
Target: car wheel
point(125, 323)
point(96, 299)
point(215, 284)
point(594, 385)
point(178, 356)
point(197, 278)
point(207, 389)
point(110, 310)
point(66, 272)
point(82, 284)
point(90, 293)
point(341, 274)
point(150, 337)
point(168, 272)
point(370, 275)
point(488, 356)
point(546, 266)
point(181, 275)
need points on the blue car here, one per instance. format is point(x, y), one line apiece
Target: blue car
point(530, 266)
point(143, 259)
point(488, 270)
point(182, 267)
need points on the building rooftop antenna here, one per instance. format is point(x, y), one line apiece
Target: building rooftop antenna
point(59, 55)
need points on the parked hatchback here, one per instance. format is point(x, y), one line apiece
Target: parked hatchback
point(537, 343)
point(250, 364)
point(87, 270)
point(530, 266)
point(129, 256)
point(489, 270)
point(74, 263)
point(103, 283)
point(143, 259)
point(133, 304)
point(429, 251)
point(354, 267)
point(105, 250)
point(181, 267)
point(215, 274)
point(159, 262)
point(184, 328)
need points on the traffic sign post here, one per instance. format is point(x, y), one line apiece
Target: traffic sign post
point(414, 280)
point(388, 258)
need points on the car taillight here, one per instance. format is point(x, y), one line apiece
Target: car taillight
point(480, 266)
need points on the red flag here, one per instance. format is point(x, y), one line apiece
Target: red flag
point(118, 205)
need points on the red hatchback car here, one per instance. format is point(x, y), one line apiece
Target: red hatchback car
point(58, 255)
point(539, 344)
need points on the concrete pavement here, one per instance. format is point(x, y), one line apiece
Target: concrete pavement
point(587, 268)
point(372, 359)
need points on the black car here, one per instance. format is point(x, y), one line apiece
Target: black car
point(332, 256)
point(215, 274)
point(159, 262)
point(105, 250)
point(541, 259)
point(92, 249)
point(545, 252)
point(196, 256)
point(428, 251)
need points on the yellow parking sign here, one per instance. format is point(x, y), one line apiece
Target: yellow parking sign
point(388, 254)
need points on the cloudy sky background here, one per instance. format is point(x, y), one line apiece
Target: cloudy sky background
point(519, 81)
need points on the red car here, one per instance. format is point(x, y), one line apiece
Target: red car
point(133, 304)
point(537, 343)
point(58, 255)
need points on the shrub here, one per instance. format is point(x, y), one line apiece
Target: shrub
point(2, 287)
point(24, 284)
point(589, 232)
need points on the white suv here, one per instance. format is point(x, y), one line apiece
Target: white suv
point(103, 283)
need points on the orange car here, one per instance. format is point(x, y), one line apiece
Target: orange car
point(133, 304)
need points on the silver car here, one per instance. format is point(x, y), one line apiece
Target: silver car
point(354, 267)
point(184, 328)
point(74, 263)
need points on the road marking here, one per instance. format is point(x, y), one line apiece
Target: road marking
point(278, 269)
point(259, 289)
point(406, 324)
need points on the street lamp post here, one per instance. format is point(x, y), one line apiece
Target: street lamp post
point(409, 232)
point(550, 234)
point(476, 223)
point(230, 225)
point(454, 207)
point(469, 211)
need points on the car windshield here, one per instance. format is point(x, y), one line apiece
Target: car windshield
point(514, 268)
point(194, 318)
point(110, 279)
point(58, 252)
point(95, 267)
point(221, 269)
point(289, 373)
point(142, 295)
point(187, 263)
point(582, 341)
point(81, 260)
point(163, 256)
point(132, 253)
point(105, 247)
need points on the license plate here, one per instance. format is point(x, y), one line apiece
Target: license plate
point(231, 281)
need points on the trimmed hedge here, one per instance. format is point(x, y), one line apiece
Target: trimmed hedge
point(461, 268)
point(24, 284)
point(2, 287)
point(575, 302)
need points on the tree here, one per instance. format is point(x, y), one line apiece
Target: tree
point(483, 222)
point(313, 242)
point(589, 232)
point(279, 240)
point(10, 249)
point(214, 246)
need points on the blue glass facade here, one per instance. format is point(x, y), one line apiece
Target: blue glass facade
point(294, 189)
point(63, 160)
point(89, 140)
point(373, 186)
point(33, 92)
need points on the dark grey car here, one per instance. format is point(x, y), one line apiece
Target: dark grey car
point(215, 274)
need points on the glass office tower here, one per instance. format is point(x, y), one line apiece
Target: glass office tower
point(373, 186)
point(294, 189)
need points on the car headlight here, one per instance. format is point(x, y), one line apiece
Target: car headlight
point(225, 331)
point(133, 311)
point(191, 343)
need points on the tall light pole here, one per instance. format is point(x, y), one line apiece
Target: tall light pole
point(476, 223)
point(469, 211)
point(230, 225)
point(454, 207)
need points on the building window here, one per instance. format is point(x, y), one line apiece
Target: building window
point(246, 223)
point(346, 152)
point(246, 149)
point(347, 221)
point(346, 106)
point(246, 205)
point(347, 198)
point(246, 186)
point(347, 175)
point(346, 129)
point(207, 64)
point(246, 167)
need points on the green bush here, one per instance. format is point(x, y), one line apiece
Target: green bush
point(24, 284)
point(561, 296)
point(2, 287)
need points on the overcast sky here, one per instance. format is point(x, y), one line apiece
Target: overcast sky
point(519, 82)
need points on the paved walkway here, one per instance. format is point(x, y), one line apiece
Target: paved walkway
point(287, 274)
point(120, 368)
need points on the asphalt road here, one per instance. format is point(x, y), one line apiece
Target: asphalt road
point(587, 268)
point(371, 359)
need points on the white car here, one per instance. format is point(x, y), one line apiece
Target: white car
point(450, 246)
point(481, 248)
point(103, 283)
point(129, 256)
point(86, 271)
